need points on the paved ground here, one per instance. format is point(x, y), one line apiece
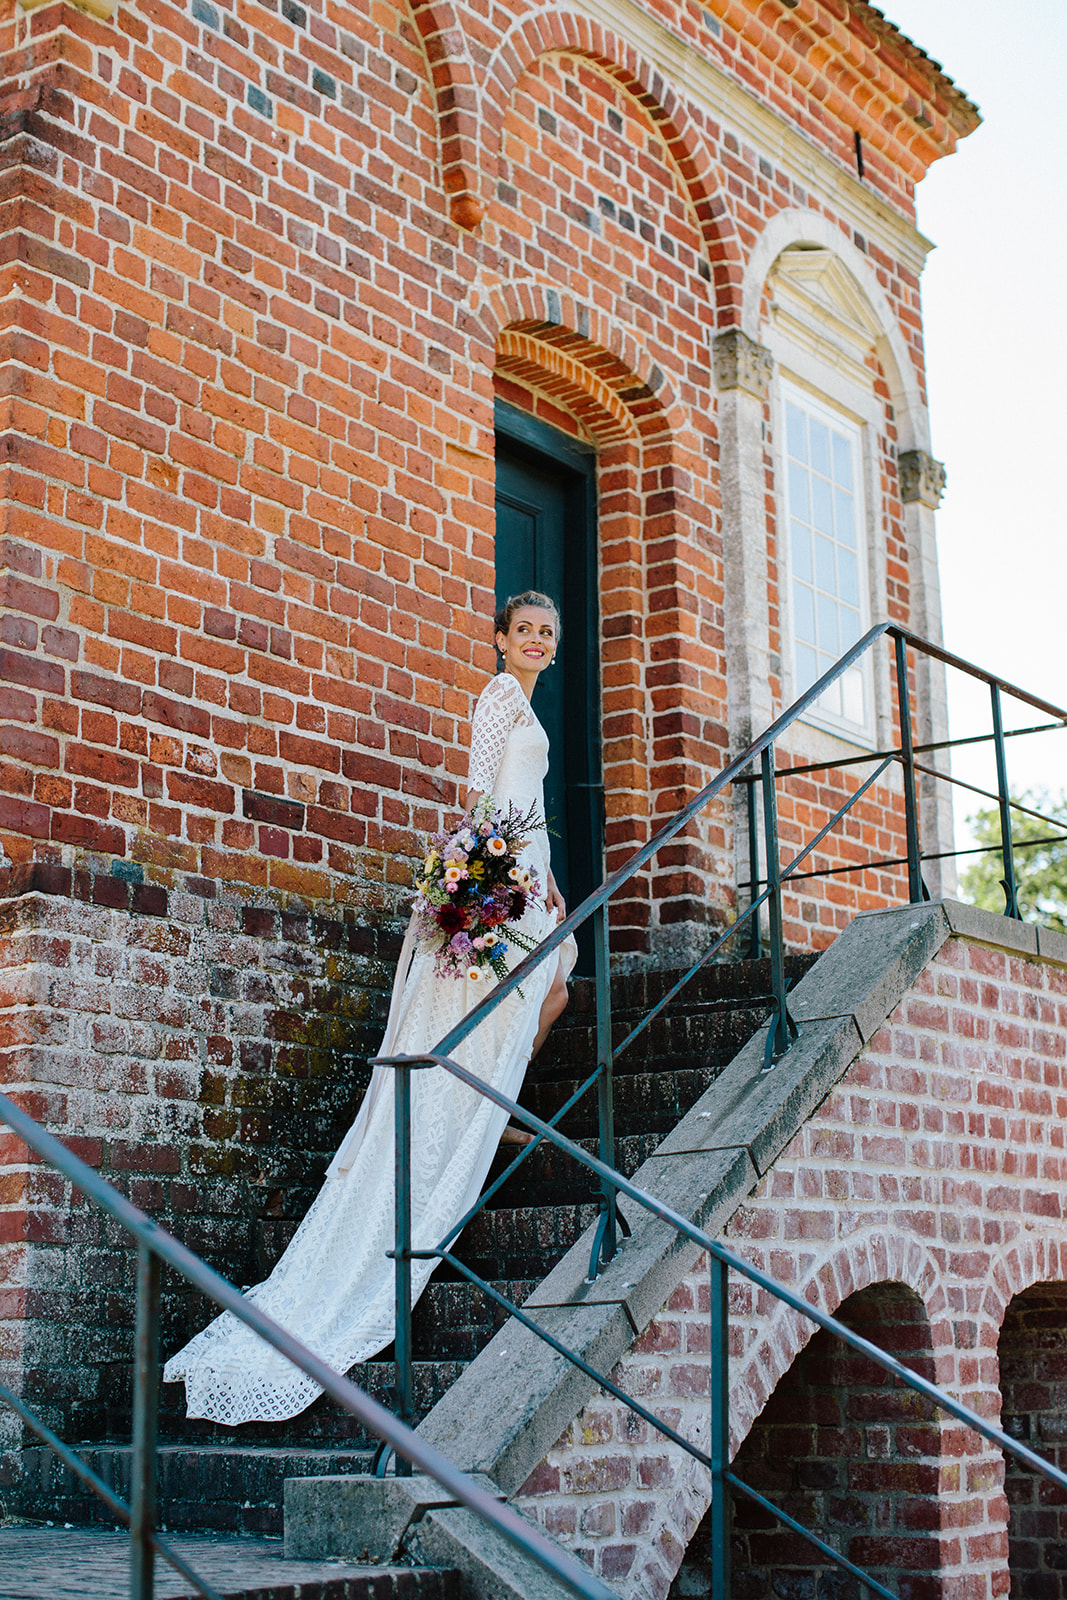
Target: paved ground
point(89, 1564)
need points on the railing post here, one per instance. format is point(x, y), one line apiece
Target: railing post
point(145, 1412)
point(606, 1242)
point(405, 1382)
point(1007, 850)
point(916, 888)
point(779, 1035)
point(755, 938)
point(719, 1447)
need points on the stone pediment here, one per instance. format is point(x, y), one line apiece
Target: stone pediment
point(816, 302)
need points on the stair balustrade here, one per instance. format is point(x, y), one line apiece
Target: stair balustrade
point(765, 891)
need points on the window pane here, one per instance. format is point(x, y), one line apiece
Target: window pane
point(806, 667)
point(827, 534)
point(821, 509)
point(842, 461)
point(796, 430)
point(820, 446)
point(801, 552)
point(798, 492)
point(826, 612)
point(804, 604)
point(830, 699)
point(843, 526)
point(852, 694)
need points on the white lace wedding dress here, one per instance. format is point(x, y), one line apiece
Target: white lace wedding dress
point(334, 1286)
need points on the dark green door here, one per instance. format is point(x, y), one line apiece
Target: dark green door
point(546, 539)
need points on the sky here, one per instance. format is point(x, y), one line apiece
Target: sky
point(995, 321)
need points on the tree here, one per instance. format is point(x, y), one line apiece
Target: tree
point(1040, 868)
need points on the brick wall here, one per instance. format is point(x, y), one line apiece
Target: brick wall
point(937, 1164)
point(205, 1055)
point(263, 271)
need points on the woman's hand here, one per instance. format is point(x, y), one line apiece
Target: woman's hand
point(554, 900)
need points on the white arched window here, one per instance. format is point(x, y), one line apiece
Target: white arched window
point(827, 419)
point(826, 557)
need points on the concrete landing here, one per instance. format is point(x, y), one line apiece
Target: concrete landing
point(93, 1564)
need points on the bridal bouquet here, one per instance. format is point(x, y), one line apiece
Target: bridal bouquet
point(472, 889)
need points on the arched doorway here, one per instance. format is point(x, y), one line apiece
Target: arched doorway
point(546, 539)
point(850, 1454)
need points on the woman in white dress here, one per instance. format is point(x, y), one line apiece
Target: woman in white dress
point(334, 1286)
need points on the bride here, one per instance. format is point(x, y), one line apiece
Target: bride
point(334, 1286)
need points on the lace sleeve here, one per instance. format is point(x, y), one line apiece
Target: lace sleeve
point(500, 706)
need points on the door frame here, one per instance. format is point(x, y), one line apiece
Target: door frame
point(584, 746)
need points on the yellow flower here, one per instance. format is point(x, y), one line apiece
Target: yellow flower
point(476, 869)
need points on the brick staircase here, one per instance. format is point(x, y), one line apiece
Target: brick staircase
point(214, 1479)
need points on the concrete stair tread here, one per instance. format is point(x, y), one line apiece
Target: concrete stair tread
point(93, 1564)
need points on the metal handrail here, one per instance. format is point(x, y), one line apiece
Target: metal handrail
point(156, 1246)
point(725, 1258)
point(780, 1033)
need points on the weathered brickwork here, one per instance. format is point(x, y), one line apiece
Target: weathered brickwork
point(937, 1165)
point(265, 269)
point(1033, 1364)
point(204, 1054)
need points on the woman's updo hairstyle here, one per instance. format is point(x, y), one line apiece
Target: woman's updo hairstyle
point(529, 597)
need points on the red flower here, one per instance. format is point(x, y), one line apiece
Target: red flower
point(450, 919)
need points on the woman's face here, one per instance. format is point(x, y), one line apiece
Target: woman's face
point(530, 642)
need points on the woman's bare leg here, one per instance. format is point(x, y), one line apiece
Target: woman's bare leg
point(552, 1007)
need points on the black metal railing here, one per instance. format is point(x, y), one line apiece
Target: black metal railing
point(154, 1248)
point(765, 892)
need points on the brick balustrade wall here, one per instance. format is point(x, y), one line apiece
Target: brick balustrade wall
point(264, 270)
point(203, 1053)
point(938, 1163)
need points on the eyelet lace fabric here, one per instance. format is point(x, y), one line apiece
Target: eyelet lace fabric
point(333, 1288)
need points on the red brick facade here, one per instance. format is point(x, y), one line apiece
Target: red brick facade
point(932, 1179)
point(264, 271)
point(266, 268)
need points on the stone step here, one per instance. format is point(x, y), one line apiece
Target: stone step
point(323, 1425)
point(645, 1102)
point(729, 981)
point(42, 1563)
point(230, 1488)
point(715, 1032)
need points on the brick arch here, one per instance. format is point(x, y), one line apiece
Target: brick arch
point(471, 122)
point(1026, 1261)
point(858, 1263)
point(599, 350)
point(548, 32)
point(568, 380)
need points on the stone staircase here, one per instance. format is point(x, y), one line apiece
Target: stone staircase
point(214, 1479)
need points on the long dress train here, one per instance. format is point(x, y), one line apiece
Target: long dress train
point(334, 1286)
